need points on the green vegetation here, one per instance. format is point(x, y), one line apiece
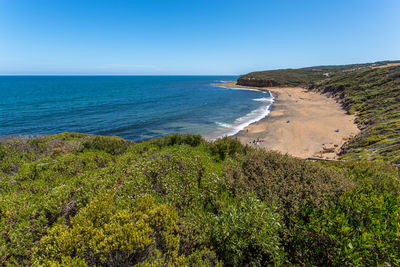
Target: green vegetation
point(374, 95)
point(305, 77)
point(288, 77)
point(73, 199)
point(81, 200)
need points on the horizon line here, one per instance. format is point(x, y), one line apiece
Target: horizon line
point(120, 74)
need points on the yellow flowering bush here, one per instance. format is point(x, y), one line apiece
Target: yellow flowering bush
point(104, 234)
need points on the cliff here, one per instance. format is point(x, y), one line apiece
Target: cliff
point(373, 94)
point(304, 77)
point(256, 82)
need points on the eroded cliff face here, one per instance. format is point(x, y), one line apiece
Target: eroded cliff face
point(254, 82)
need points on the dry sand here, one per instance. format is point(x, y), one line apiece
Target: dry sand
point(386, 66)
point(301, 123)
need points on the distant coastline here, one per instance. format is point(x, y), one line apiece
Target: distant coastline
point(301, 123)
point(235, 85)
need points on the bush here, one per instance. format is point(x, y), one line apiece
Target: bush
point(245, 232)
point(226, 146)
point(382, 177)
point(178, 139)
point(103, 234)
point(361, 228)
point(287, 181)
point(65, 165)
point(67, 136)
point(113, 145)
point(372, 140)
point(183, 205)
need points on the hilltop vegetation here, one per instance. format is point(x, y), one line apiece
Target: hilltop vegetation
point(80, 200)
point(73, 199)
point(374, 95)
point(303, 77)
point(371, 91)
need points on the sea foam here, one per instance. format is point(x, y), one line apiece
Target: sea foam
point(242, 88)
point(242, 122)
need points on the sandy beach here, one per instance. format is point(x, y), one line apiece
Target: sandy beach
point(302, 123)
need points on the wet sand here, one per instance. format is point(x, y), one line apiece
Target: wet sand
point(301, 123)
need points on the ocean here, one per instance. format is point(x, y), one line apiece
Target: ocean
point(133, 107)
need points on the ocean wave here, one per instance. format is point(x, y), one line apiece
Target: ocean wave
point(238, 88)
point(244, 89)
point(242, 122)
point(225, 125)
point(264, 99)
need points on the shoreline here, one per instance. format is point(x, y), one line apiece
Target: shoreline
point(301, 123)
point(242, 122)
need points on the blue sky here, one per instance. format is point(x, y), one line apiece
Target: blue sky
point(193, 37)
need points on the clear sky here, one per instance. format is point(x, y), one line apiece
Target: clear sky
point(193, 37)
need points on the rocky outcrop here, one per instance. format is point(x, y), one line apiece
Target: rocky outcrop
point(254, 82)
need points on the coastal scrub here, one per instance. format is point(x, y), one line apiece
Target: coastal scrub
point(83, 200)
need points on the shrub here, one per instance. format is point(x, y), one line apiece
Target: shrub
point(103, 234)
point(245, 232)
point(178, 139)
point(15, 151)
point(65, 165)
point(113, 145)
point(288, 181)
point(67, 136)
point(372, 140)
point(382, 177)
point(183, 205)
point(361, 228)
point(226, 146)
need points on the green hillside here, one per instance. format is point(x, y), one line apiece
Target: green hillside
point(305, 77)
point(80, 200)
point(374, 95)
point(73, 199)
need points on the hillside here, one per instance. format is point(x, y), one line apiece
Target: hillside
point(374, 95)
point(302, 77)
point(81, 200)
point(371, 91)
point(74, 199)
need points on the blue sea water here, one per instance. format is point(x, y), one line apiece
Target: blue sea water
point(132, 107)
